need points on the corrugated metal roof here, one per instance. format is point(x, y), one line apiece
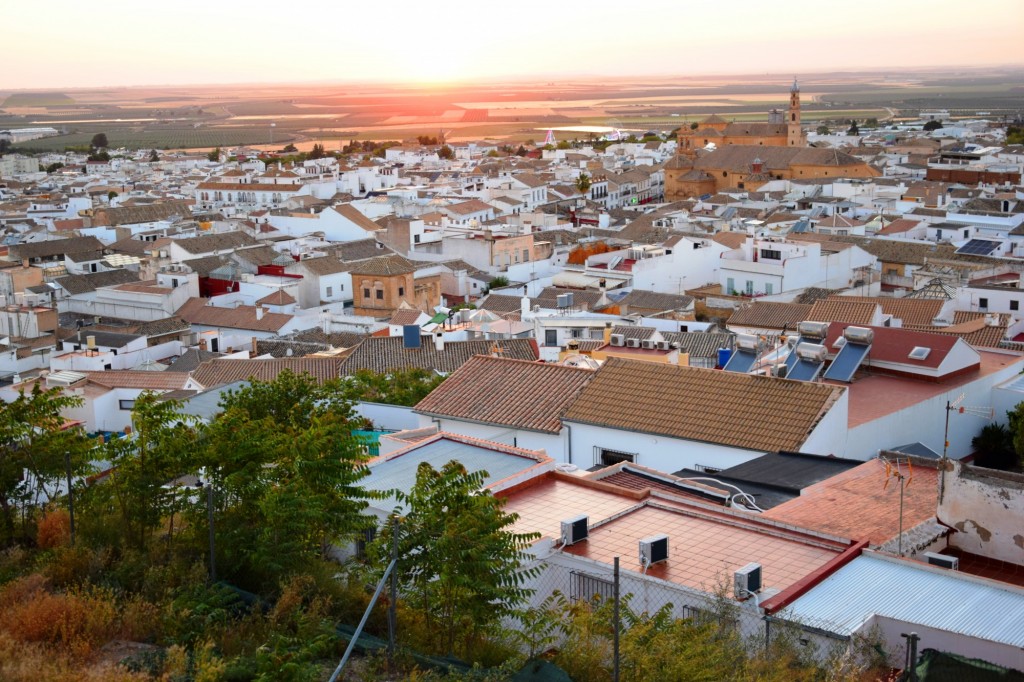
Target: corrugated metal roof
point(399, 473)
point(915, 593)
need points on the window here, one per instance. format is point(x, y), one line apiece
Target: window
point(585, 587)
point(550, 337)
point(610, 457)
point(329, 292)
point(416, 239)
point(379, 294)
point(578, 334)
point(1014, 305)
point(366, 293)
point(174, 283)
point(966, 232)
point(983, 303)
point(768, 289)
point(126, 404)
point(401, 291)
point(706, 469)
point(771, 254)
point(526, 255)
point(730, 286)
point(750, 288)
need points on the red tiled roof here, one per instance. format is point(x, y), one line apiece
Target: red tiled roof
point(197, 311)
point(514, 393)
point(727, 408)
point(894, 344)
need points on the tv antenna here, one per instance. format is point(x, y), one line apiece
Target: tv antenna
point(986, 413)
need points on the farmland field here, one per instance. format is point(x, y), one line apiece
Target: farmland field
point(38, 99)
point(207, 116)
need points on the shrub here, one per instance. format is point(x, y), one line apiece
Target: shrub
point(53, 529)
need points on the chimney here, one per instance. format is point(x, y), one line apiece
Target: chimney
point(90, 342)
point(439, 340)
point(259, 312)
point(202, 344)
point(607, 333)
point(524, 307)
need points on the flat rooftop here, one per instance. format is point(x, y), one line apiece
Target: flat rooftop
point(879, 395)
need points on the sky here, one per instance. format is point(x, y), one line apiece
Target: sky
point(90, 43)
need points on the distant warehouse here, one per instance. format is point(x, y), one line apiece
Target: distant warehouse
point(16, 135)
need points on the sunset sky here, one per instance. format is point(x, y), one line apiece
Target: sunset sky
point(76, 43)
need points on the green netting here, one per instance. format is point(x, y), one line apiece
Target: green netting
point(937, 666)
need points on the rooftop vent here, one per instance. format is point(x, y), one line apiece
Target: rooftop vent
point(919, 353)
point(575, 529)
point(653, 549)
point(943, 560)
point(747, 581)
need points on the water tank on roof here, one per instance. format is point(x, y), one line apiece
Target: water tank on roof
point(723, 356)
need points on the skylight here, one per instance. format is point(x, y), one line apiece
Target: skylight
point(919, 353)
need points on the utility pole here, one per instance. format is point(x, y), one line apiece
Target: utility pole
point(71, 495)
point(615, 641)
point(209, 521)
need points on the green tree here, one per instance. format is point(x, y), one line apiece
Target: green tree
point(994, 447)
point(286, 471)
point(153, 156)
point(317, 152)
point(110, 195)
point(214, 155)
point(399, 387)
point(563, 144)
point(99, 156)
point(522, 151)
point(1014, 135)
point(446, 152)
point(496, 283)
point(854, 130)
point(823, 130)
point(54, 167)
point(33, 442)
point(290, 149)
point(460, 563)
point(99, 141)
point(159, 449)
point(583, 183)
point(932, 125)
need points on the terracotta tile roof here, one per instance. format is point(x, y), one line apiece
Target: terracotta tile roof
point(631, 332)
point(279, 297)
point(83, 284)
point(635, 477)
point(56, 247)
point(354, 215)
point(770, 315)
point(653, 300)
point(131, 378)
point(501, 303)
point(739, 158)
point(727, 408)
point(899, 226)
point(225, 371)
point(700, 344)
point(858, 504)
point(732, 240)
point(250, 186)
point(384, 266)
point(404, 316)
point(383, 354)
point(913, 311)
point(196, 311)
point(147, 213)
point(468, 207)
point(838, 308)
point(514, 393)
point(209, 243)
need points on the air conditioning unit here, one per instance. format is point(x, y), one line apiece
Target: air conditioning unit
point(943, 560)
point(747, 581)
point(649, 345)
point(633, 343)
point(664, 345)
point(861, 335)
point(811, 351)
point(618, 339)
point(817, 330)
point(653, 549)
point(575, 529)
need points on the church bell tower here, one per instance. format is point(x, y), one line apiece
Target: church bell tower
point(794, 133)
